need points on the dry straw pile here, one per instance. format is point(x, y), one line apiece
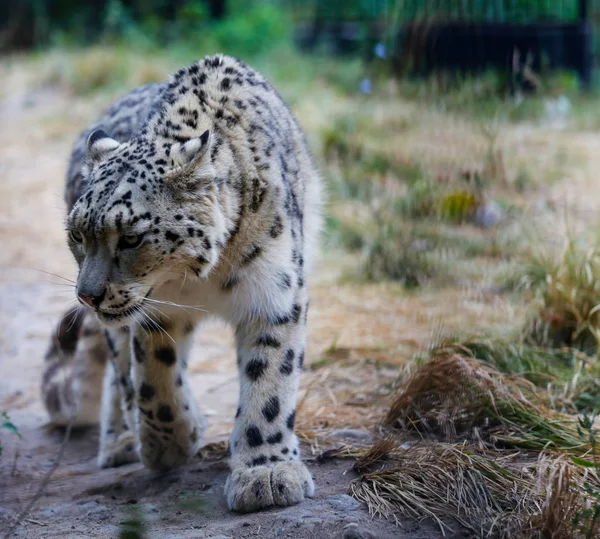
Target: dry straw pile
point(503, 468)
point(454, 395)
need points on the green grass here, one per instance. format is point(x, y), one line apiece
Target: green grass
point(394, 254)
point(133, 524)
point(6, 425)
point(345, 234)
point(455, 396)
point(570, 377)
point(565, 287)
point(540, 366)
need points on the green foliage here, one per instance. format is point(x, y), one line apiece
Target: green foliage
point(395, 255)
point(474, 10)
point(249, 28)
point(458, 207)
point(133, 526)
point(538, 365)
point(587, 396)
point(421, 199)
point(9, 426)
point(339, 140)
point(252, 30)
point(568, 375)
point(524, 180)
point(403, 219)
point(344, 234)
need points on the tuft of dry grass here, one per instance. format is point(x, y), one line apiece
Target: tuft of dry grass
point(566, 287)
point(485, 492)
point(455, 395)
point(377, 453)
point(540, 366)
point(84, 72)
point(560, 485)
point(567, 377)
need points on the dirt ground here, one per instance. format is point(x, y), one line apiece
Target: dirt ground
point(373, 330)
point(82, 501)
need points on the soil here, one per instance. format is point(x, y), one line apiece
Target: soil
point(83, 501)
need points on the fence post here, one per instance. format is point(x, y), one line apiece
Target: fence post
point(584, 10)
point(585, 35)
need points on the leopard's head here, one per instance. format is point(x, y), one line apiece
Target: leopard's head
point(147, 215)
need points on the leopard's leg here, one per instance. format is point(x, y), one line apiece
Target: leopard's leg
point(169, 423)
point(117, 423)
point(265, 458)
point(74, 367)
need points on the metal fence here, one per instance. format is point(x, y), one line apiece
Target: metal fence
point(465, 10)
point(507, 11)
point(461, 35)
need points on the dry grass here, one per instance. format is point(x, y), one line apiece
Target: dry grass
point(485, 492)
point(561, 487)
point(454, 395)
point(567, 377)
point(540, 366)
point(346, 388)
point(85, 71)
point(566, 287)
point(377, 453)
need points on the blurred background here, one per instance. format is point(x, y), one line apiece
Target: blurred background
point(409, 104)
point(459, 143)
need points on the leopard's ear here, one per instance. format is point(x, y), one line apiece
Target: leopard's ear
point(192, 168)
point(192, 153)
point(100, 144)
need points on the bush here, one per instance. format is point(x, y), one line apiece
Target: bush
point(567, 293)
point(252, 30)
point(248, 29)
point(395, 254)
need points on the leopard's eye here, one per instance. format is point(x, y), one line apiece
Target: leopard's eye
point(76, 236)
point(130, 241)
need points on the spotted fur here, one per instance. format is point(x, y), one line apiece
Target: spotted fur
point(199, 191)
point(73, 370)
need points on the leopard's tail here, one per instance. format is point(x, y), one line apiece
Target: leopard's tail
point(73, 370)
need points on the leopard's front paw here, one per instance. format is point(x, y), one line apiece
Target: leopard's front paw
point(166, 447)
point(118, 451)
point(283, 484)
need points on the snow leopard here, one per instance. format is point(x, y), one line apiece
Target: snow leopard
point(190, 199)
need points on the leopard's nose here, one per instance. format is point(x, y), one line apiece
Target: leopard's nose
point(92, 300)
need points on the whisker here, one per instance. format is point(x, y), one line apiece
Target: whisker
point(184, 279)
point(173, 304)
point(150, 322)
point(74, 312)
point(54, 275)
point(157, 310)
point(158, 326)
point(138, 310)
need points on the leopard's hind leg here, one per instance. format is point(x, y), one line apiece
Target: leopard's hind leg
point(73, 370)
